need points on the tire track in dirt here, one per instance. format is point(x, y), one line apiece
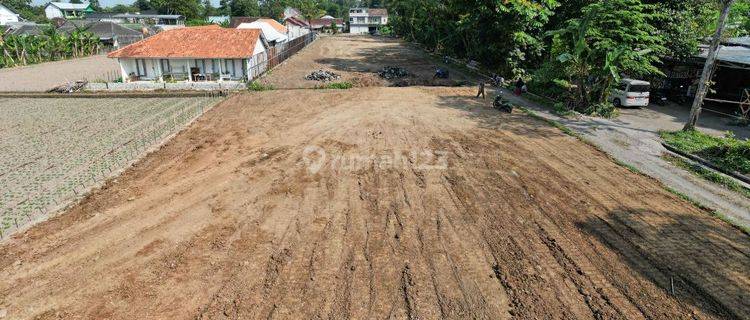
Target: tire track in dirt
point(226, 221)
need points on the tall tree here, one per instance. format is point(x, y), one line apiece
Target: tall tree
point(191, 9)
point(708, 68)
point(244, 8)
point(224, 8)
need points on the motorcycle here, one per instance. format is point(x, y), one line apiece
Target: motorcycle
point(502, 105)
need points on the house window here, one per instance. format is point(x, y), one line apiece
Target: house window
point(140, 67)
point(201, 65)
point(165, 66)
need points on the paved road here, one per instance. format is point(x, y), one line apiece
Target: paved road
point(43, 76)
point(633, 138)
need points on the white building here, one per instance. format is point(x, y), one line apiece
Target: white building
point(67, 10)
point(208, 53)
point(7, 15)
point(273, 31)
point(296, 27)
point(366, 20)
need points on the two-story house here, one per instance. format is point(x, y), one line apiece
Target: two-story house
point(67, 10)
point(367, 20)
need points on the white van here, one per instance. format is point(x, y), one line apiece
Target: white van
point(631, 93)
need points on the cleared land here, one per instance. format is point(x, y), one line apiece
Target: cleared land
point(53, 150)
point(416, 202)
point(358, 59)
point(227, 221)
point(43, 76)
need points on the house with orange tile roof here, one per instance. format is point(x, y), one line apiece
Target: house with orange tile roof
point(206, 53)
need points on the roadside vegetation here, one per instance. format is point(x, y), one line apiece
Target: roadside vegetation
point(337, 85)
point(21, 50)
point(727, 153)
point(257, 86)
point(571, 51)
point(709, 175)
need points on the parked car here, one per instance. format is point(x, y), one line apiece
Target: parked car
point(631, 93)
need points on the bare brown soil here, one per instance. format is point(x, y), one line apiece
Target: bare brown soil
point(44, 76)
point(358, 58)
point(227, 221)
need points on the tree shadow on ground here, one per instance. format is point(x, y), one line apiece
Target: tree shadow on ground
point(697, 258)
point(481, 111)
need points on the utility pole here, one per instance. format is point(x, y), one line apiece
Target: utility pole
point(708, 68)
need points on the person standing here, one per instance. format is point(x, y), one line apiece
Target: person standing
point(519, 87)
point(481, 90)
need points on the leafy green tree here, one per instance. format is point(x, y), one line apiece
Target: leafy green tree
point(611, 38)
point(244, 8)
point(143, 5)
point(506, 35)
point(191, 9)
point(224, 9)
point(309, 9)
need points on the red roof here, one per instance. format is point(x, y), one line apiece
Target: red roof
point(319, 23)
point(297, 21)
point(195, 42)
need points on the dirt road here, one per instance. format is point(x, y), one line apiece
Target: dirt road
point(363, 204)
point(357, 59)
point(43, 76)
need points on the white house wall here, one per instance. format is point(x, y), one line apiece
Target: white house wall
point(154, 69)
point(52, 12)
point(7, 16)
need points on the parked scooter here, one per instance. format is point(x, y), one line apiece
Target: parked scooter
point(660, 97)
point(502, 105)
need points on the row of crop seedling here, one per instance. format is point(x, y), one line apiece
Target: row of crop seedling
point(56, 193)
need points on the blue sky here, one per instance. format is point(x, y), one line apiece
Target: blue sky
point(107, 3)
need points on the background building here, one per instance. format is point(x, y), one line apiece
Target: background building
point(367, 20)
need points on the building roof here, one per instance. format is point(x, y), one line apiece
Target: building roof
point(102, 29)
point(24, 29)
point(327, 17)
point(236, 21)
point(218, 19)
point(8, 8)
point(319, 23)
point(377, 12)
point(148, 16)
point(297, 22)
point(741, 41)
point(275, 24)
point(269, 32)
point(212, 42)
point(70, 6)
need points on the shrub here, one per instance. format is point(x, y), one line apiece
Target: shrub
point(337, 85)
point(257, 86)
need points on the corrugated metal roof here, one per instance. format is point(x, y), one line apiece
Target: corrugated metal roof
point(148, 16)
point(195, 42)
point(731, 54)
point(740, 41)
point(70, 6)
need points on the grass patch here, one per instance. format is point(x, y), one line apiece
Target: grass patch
point(727, 153)
point(337, 85)
point(257, 86)
point(709, 175)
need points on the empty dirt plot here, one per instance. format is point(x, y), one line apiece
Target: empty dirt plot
point(362, 204)
point(358, 58)
point(54, 150)
point(44, 76)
